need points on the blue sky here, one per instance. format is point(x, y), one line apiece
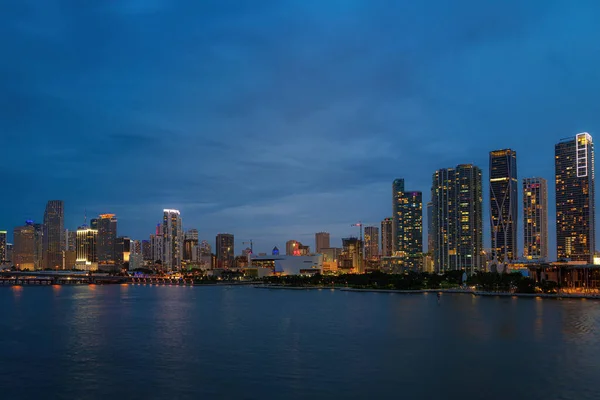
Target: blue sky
point(276, 119)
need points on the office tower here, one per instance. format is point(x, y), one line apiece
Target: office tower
point(38, 251)
point(122, 251)
point(386, 237)
point(371, 242)
point(3, 257)
point(205, 249)
point(332, 254)
point(535, 219)
point(457, 219)
point(9, 253)
point(147, 250)
point(158, 247)
point(205, 257)
point(173, 240)
point(52, 237)
point(225, 250)
point(70, 240)
point(430, 228)
point(87, 251)
point(107, 237)
point(407, 224)
point(136, 247)
point(575, 198)
point(24, 247)
point(352, 255)
point(504, 208)
point(321, 241)
point(190, 245)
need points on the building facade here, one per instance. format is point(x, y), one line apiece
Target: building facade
point(386, 237)
point(352, 257)
point(321, 241)
point(3, 242)
point(190, 245)
point(371, 242)
point(24, 247)
point(575, 198)
point(407, 225)
point(225, 250)
point(86, 251)
point(107, 237)
point(52, 237)
point(172, 240)
point(535, 219)
point(504, 210)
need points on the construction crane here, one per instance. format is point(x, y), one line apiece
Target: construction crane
point(251, 243)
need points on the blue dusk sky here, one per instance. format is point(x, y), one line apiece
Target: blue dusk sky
point(276, 119)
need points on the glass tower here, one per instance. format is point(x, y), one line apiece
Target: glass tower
point(503, 204)
point(535, 219)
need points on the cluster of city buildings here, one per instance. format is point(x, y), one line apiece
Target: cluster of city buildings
point(454, 229)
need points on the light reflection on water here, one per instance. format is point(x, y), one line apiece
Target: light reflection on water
point(241, 342)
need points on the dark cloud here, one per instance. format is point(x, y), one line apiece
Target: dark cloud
point(275, 119)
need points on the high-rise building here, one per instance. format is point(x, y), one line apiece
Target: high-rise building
point(9, 253)
point(158, 248)
point(386, 237)
point(457, 219)
point(70, 240)
point(122, 251)
point(146, 250)
point(3, 257)
point(371, 242)
point(575, 198)
point(172, 239)
point(225, 250)
point(321, 241)
point(407, 225)
point(87, 250)
point(107, 237)
point(52, 237)
point(535, 219)
point(136, 247)
point(24, 247)
point(430, 228)
point(94, 223)
point(38, 250)
point(504, 209)
point(190, 245)
point(352, 255)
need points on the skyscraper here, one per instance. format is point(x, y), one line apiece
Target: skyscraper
point(386, 237)
point(146, 250)
point(457, 219)
point(38, 250)
point(430, 235)
point(107, 237)
point(158, 248)
point(87, 254)
point(321, 241)
point(504, 208)
point(24, 247)
point(53, 231)
point(535, 218)
point(172, 239)
point(575, 198)
point(3, 257)
point(122, 251)
point(225, 250)
point(352, 255)
point(190, 245)
point(407, 224)
point(371, 242)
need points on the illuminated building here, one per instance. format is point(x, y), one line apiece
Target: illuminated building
point(38, 252)
point(352, 255)
point(3, 257)
point(295, 248)
point(70, 240)
point(52, 237)
point(190, 245)
point(122, 252)
point(430, 228)
point(386, 237)
point(146, 250)
point(575, 198)
point(266, 265)
point(9, 253)
point(331, 254)
point(86, 249)
point(107, 237)
point(457, 219)
point(24, 247)
point(172, 240)
point(321, 241)
point(371, 242)
point(504, 208)
point(407, 224)
point(535, 218)
point(157, 245)
point(225, 250)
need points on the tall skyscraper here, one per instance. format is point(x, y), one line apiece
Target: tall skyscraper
point(190, 245)
point(371, 242)
point(38, 250)
point(535, 218)
point(321, 241)
point(24, 247)
point(352, 255)
point(457, 218)
point(122, 251)
point(87, 250)
point(407, 224)
point(158, 248)
point(53, 231)
point(225, 250)
point(504, 208)
point(430, 228)
point(70, 240)
point(173, 240)
point(107, 237)
point(386, 237)
point(146, 250)
point(575, 198)
point(3, 257)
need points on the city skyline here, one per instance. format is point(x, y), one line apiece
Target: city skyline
point(312, 110)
